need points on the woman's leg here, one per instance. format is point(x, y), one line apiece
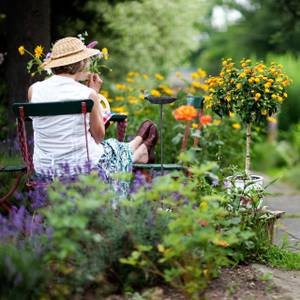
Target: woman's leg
point(140, 155)
point(135, 143)
point(140, 152)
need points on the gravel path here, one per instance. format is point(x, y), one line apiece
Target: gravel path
point(285, 198)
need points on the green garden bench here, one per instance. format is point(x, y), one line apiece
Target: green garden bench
point(23, 112)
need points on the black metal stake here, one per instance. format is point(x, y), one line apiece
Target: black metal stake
point(161, 140)
point(161, 101)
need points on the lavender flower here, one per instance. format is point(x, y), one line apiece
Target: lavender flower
point(138, 182)
point(92, 44)
point(215, 181)
point(227, 184)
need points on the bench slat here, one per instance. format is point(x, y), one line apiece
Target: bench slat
point(12, 169)
point(157, 167)
point(52, 108)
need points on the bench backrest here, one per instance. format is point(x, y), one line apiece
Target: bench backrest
point(53, 108)
point(26, 110)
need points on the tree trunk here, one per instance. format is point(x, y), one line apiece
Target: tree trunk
point(272, 131)
point(28, 24)
point(248, 141)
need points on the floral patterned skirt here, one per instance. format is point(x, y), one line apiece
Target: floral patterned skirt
point(116, 158)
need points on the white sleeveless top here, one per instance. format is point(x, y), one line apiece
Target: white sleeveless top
point(60, 140)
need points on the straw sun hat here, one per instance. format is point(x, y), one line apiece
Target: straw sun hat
point(68, 51)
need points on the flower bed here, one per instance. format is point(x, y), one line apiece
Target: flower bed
point(81, 237)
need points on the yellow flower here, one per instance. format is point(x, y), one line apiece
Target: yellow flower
point(236, 126)
point(257, 80)
point(279, 99)
point(141, 96)
point(243, 74)
point(257, 96)
point(207, 98)
point(217, 122)
point(267, 91)
point(120, 109)
point(119, 98)
point(263, 112)
point(204, 87)
point(145, 76)
point(104, 52)
point(159, 77)
point(134, 101)
point(104, 93)
point(21, 50)
point(196, 84)
point(194, 125)
point(120, 86)
point(201, 73)
point(155, 93)
point(38, 51)
point(195, 75)
point(285, 95)
point(239, 85)
point(274, 96)
point(271, 120)
point(231, 114)
point(131, 74)
point(168, 91)
point(130, 80)
point(251, 80)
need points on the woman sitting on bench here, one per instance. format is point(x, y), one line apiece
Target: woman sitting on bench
point(60, 140)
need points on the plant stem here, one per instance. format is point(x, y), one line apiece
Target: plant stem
point(185, 136)
point(196, 139)
point(248, 141)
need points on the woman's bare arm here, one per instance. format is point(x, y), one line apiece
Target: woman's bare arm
point(97, 127)
point(29, 95)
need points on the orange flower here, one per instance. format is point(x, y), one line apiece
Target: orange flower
point(203, 223)
point(185, 112)
point(205, 119)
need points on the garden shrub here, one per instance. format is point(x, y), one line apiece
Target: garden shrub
point(179, 230)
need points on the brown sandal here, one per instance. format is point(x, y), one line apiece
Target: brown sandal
point(144, 128)
point(151, 141)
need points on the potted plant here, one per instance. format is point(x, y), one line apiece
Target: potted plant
point(254, 92)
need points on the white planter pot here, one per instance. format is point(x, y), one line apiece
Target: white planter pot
point(256, 182)
point(237, 183)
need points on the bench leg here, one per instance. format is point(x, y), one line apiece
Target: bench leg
point(121, 130)
point(5, 198)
